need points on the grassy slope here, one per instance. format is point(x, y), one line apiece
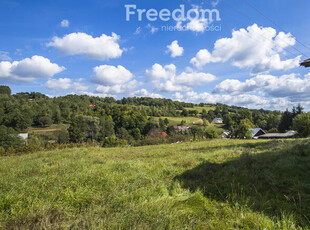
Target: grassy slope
point(177, 120)
point(220, 184)
point(199, 109)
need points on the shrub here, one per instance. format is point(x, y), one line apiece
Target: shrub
point(2, 151)
point(211, 133)
point(62, 137)
point(10, 150)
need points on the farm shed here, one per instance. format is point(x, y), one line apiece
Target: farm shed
point(290, 134)
point(257, 132)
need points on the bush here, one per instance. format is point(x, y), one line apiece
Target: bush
point(62, 137)
point(2, 151)
point(211, 133)
point(10, 150)
point(110, 142)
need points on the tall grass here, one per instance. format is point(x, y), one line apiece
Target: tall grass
point(156, 187)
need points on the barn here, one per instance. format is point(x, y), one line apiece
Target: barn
point(257, 132)
point(290, 134)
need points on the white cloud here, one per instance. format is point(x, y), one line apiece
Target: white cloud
point(169, 86)
point(28, 69)
point(145, 93)
point(62, 84)
point(93, 94)
point(175, 49)
point(255, 47)
point(111, 75)
point(65, 23)
point(4, 56)
point(100, 48)
point(194, 79)
point(289, 86)
point(59, 84)
point(196, 25)
point(152, 29)
point(118, 88)
point(245, 100)
point(79, 86)
point(159, 72)
point(172, 82)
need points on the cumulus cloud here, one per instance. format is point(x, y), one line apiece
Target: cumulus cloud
point(256, 47)
point(62, 84)
point(165, 79)
point(245, 100)
point(111, 75)
point(93, 94)
point(101, 48)
point(28, 69)
point(79, 86)
point(158, 72)
point(65, 23)
point(169, 86)
point(290, 86)
point(196, 25)
point(145, 93)
point(175, 49)
point(58, 84)
point(114, 80)
point(194, 79)
point(118, 88)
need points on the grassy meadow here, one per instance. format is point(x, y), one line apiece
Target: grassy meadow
point(199, 108)
point(177, 120)
point(217, 184)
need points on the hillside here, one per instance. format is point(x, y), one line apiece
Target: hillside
point(107, 122)
point(216, 184)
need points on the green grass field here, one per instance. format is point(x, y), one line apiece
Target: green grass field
point(218, 184)
point(177, 120)
point(199, 109)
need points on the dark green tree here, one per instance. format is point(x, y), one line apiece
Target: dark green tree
point(77, 130)
point(286, 121)
point(301, 124)
point(243, 129)
point(5, 90)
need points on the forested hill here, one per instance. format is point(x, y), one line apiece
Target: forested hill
point(86, 118)
point(22, 110)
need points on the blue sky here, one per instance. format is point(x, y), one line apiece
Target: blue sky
point(88, 47)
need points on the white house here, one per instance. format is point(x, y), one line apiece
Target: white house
point(217, 120)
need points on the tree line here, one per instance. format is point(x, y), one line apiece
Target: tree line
point(129, 120)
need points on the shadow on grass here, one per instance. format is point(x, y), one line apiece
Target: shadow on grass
point(274, 183)
point(258, 145)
